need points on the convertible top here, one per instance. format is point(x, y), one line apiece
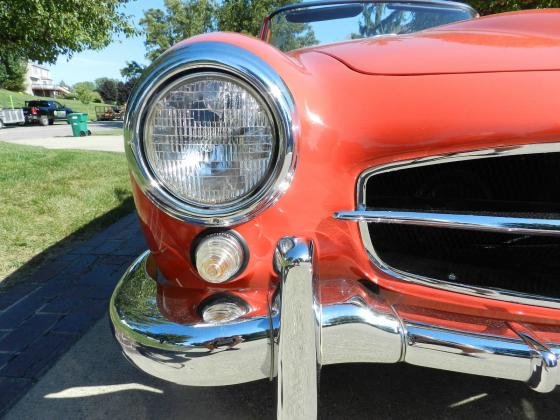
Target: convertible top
point(517, 41)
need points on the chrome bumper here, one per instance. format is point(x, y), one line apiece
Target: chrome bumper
point(303, 332)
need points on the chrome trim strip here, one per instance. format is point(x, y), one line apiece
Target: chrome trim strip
point(548, 227)
point(354, 325)
point(497, 294)
point(231, 60)
point(477, 354)
point(522, 359)
point(297, 357)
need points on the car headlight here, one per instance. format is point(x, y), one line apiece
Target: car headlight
point(209, 134)
point(210, 139)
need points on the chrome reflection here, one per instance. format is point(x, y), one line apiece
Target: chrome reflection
point(546, 227)
point(545, 373)
point(312, 324)
point(361, 329)
point(298, 339)
point(200, 354)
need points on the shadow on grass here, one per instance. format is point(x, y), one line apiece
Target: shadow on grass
point(73, 240)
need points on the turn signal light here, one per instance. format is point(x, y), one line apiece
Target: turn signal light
point(219, 257)
point(223, 310)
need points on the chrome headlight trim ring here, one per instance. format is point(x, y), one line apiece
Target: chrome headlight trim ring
point(248, 68)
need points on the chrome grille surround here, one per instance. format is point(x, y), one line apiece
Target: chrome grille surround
point(361, 215)
point(248, 68)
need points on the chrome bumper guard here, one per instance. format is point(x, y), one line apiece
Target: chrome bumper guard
point(301, 334)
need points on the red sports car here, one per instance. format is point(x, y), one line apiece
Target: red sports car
point(370, 181)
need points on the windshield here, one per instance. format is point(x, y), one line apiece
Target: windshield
point(306, 24)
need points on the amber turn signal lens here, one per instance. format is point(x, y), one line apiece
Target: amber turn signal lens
point(219, 257)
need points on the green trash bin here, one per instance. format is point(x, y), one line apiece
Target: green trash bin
point(78, 121)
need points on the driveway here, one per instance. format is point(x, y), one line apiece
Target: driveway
point(59, 136)
point(94, 381)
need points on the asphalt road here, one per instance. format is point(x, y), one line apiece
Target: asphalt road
point(94, 381)
point(59, 129)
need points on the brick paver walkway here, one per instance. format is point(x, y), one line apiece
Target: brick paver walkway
point(42, 317)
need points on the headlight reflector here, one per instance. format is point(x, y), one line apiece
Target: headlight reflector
point(210, 139)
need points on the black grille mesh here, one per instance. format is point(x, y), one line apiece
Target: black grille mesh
point(523, 186)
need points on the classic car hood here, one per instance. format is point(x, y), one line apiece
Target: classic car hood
point(519, 41)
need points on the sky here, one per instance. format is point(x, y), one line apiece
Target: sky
point(91, 65)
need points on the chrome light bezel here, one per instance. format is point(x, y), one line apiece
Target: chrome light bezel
point(245, 67)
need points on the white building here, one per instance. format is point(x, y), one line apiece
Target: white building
point(39, 82)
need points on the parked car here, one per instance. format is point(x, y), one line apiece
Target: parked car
point(45, 112)
point(372, 182)
point(11, 116)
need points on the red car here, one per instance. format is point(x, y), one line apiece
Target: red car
point(368, 182)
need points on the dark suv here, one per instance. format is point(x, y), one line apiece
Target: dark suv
point(45, 112)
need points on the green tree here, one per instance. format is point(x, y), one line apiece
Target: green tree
point(181, 19)
point(41, 30)
point(82, 85)
point(108, 89)
point(125, 88)
point(96, 97)
point(289, 36)
point(131, 73)
point(246, 16)
point(381, 19)
point(486, 7)
point(184, 18)
point(12, 71)
point(84, 92)
point(132, 70)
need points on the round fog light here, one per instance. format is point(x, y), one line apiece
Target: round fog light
point(219, 257)
point(223, 311)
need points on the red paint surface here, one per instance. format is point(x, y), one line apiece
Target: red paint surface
point(349, 121)
point(507, 42)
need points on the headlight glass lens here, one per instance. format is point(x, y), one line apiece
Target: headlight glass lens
point(210, 139)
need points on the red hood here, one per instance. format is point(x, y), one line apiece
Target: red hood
point(519, 41)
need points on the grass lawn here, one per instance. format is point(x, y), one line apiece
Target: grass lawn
point(20, 98)
point(52, 195)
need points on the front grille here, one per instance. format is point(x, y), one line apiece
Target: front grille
point(517, 184)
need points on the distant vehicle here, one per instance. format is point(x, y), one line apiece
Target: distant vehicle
point(45, 112)
point(108, 113)
point(11, 116)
